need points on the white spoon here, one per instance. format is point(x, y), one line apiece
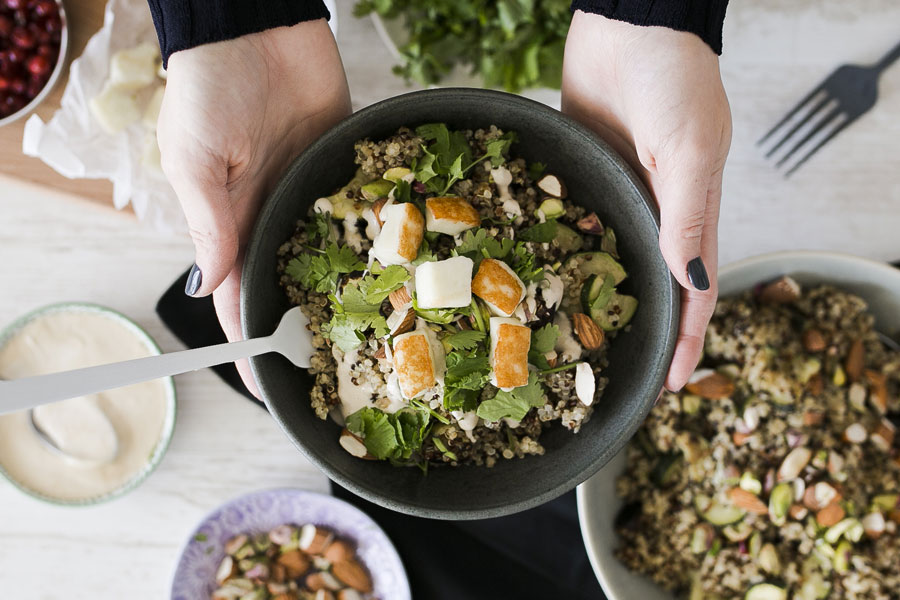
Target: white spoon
point(291, 339)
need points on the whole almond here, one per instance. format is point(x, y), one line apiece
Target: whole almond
point(878, 388)
point(338, 550)
point(314, 539)
point(853, 365)
point(376, 209)
point(780, 291)
point(352, 574)
point(278, 573)
point(830, 515)
point(404, 324)
point(295, 562)
point(739, 438)
point(710, 385)
point(798, 512)
point(813, 340)
point(324, 595)
point(400, 298)
point(322, 580)
point(794, 463)
point(812, 418)
point(748, 501)
point(589, 334)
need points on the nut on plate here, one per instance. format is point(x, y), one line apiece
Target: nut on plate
point(853, 365)
point(747, 501)
point(552, 186)
point(322, 580)
point(352, 574)
point(400, 298)
point(589, 333)
point(590, 224)
point(878, 392)
point(813, 340)
point(401, 321)
point(830, 515)
point(354, 445)
point(710, 384)
point(780, 291)
point(313, 539)
point(295, 562)
point(338, 550)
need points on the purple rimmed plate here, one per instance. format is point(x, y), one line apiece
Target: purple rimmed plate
point(194, 577)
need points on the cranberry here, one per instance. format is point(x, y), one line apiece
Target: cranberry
point(18, 86)
point(15, 4)
point(43, 37)
point(6, 26)
point(53, 24)
point(38, 65)
point(4, 84)
point(42, 8)
point(22, 38)
point(46, 50)
point(16, 55)
point(34, 88)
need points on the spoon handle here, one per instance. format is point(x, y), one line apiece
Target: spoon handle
point(21, 394)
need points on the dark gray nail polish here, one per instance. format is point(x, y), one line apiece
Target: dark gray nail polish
point(195, 278)
point(696, 272)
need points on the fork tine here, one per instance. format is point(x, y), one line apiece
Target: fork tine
point(815, 148)
point(816, 129)
point(793, 112)
point(809, 115)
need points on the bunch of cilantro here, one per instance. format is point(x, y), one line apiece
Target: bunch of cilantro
point(511, 44)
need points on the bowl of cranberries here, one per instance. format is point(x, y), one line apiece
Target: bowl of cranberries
point(33, 41)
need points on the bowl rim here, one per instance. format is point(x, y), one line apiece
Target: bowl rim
point(54, 76)
point(168, 428)
point(302, 496)
point(584, 491)
point(409, 506)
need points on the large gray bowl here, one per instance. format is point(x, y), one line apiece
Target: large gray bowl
point(876, 282)
point(597, 178)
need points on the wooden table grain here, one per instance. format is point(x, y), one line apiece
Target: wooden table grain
point(61, 241)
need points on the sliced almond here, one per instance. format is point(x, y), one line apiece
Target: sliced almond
point(855, 434)
point(235, 543)
point(295, 562)
point(878, 390)
point(794, 463)
point(747, 500)
point(589, 333)
point(376, 210)
point(227, 569)
point(830, 515)
point(315, 539)
point(798, 512)
point(812, 418)
point(401, 321)
point(853, 364)
point(324, 595)
point(883, 435)
point(552, 186)
point(835, 463)
point(354, 445)
point(323, 580)
point(820, 495)
point(353, 574)
point(780, 291)
point(338, 550)
point(873, 524)
point(814, 341)
point(400, 298)
point(710, 385)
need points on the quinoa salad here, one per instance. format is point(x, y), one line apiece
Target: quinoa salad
point(775, 474)
point(460, 302)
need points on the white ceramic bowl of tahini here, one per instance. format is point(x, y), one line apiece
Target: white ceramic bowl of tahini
point(70, 336)
point(876, 282)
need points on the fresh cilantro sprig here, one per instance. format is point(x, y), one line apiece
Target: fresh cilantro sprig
point(543, 340)
point(321, 270)
point(318, 227)
point(465, 339)
point(396, 436)
point(478, 244)
point(541, 233)
point(468, 372)
point(448, 157)
point(515, 403)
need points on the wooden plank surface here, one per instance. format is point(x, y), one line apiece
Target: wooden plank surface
point(85, 18)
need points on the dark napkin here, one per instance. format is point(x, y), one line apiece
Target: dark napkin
point(536, 554)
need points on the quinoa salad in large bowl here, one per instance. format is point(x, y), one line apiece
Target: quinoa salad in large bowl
point(460, 302)
point(775, 474)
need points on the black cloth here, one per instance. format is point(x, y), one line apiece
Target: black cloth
point(537, 554)
point(183, 24)
point(701, 17)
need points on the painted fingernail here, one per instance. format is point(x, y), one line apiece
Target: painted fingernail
point(195, 278)
point(696, 273)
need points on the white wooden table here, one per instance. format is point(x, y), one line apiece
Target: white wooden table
point(54, 248)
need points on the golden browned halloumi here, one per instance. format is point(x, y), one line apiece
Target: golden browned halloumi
point(510, 342)
point(401, 235)
point(450, 215)
point(414, 363)
point(499, 286)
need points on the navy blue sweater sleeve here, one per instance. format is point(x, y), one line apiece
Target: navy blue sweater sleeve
point(183, 24)
point(701, 17)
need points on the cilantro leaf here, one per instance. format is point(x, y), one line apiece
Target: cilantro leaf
point(396, 436)
point(497, 149)
point(543, 340)
point(540, 233)
point(318, 227)
point(535, 170)
point(343, 332)
point(343, 259)
point(390, 279)
point(524, 264)
point(467, 374)
point(514, 404)
point(300, 270)
point(465, 340)
point(425, 167)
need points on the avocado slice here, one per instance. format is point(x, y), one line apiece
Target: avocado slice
point(616, 314)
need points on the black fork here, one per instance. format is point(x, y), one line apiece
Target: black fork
point(843, 97)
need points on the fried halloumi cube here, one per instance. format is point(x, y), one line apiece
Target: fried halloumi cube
point(401, 235)
point(499, 286)
point(444, 283)
point(450, 215)
point(510, 343)
point(419, 361)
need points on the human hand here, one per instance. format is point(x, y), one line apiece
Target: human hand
point(234, 115)
point(656, 96)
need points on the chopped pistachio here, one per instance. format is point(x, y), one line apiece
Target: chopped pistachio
point(690, 403)
point(886, 502)
point(843, 527)
point(780, 501)
point(839, 378)
point(750, 483)
point(842, 555)
point(768, 559)
point(755, 544)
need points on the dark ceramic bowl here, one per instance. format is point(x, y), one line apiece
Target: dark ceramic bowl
point(597, 178)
